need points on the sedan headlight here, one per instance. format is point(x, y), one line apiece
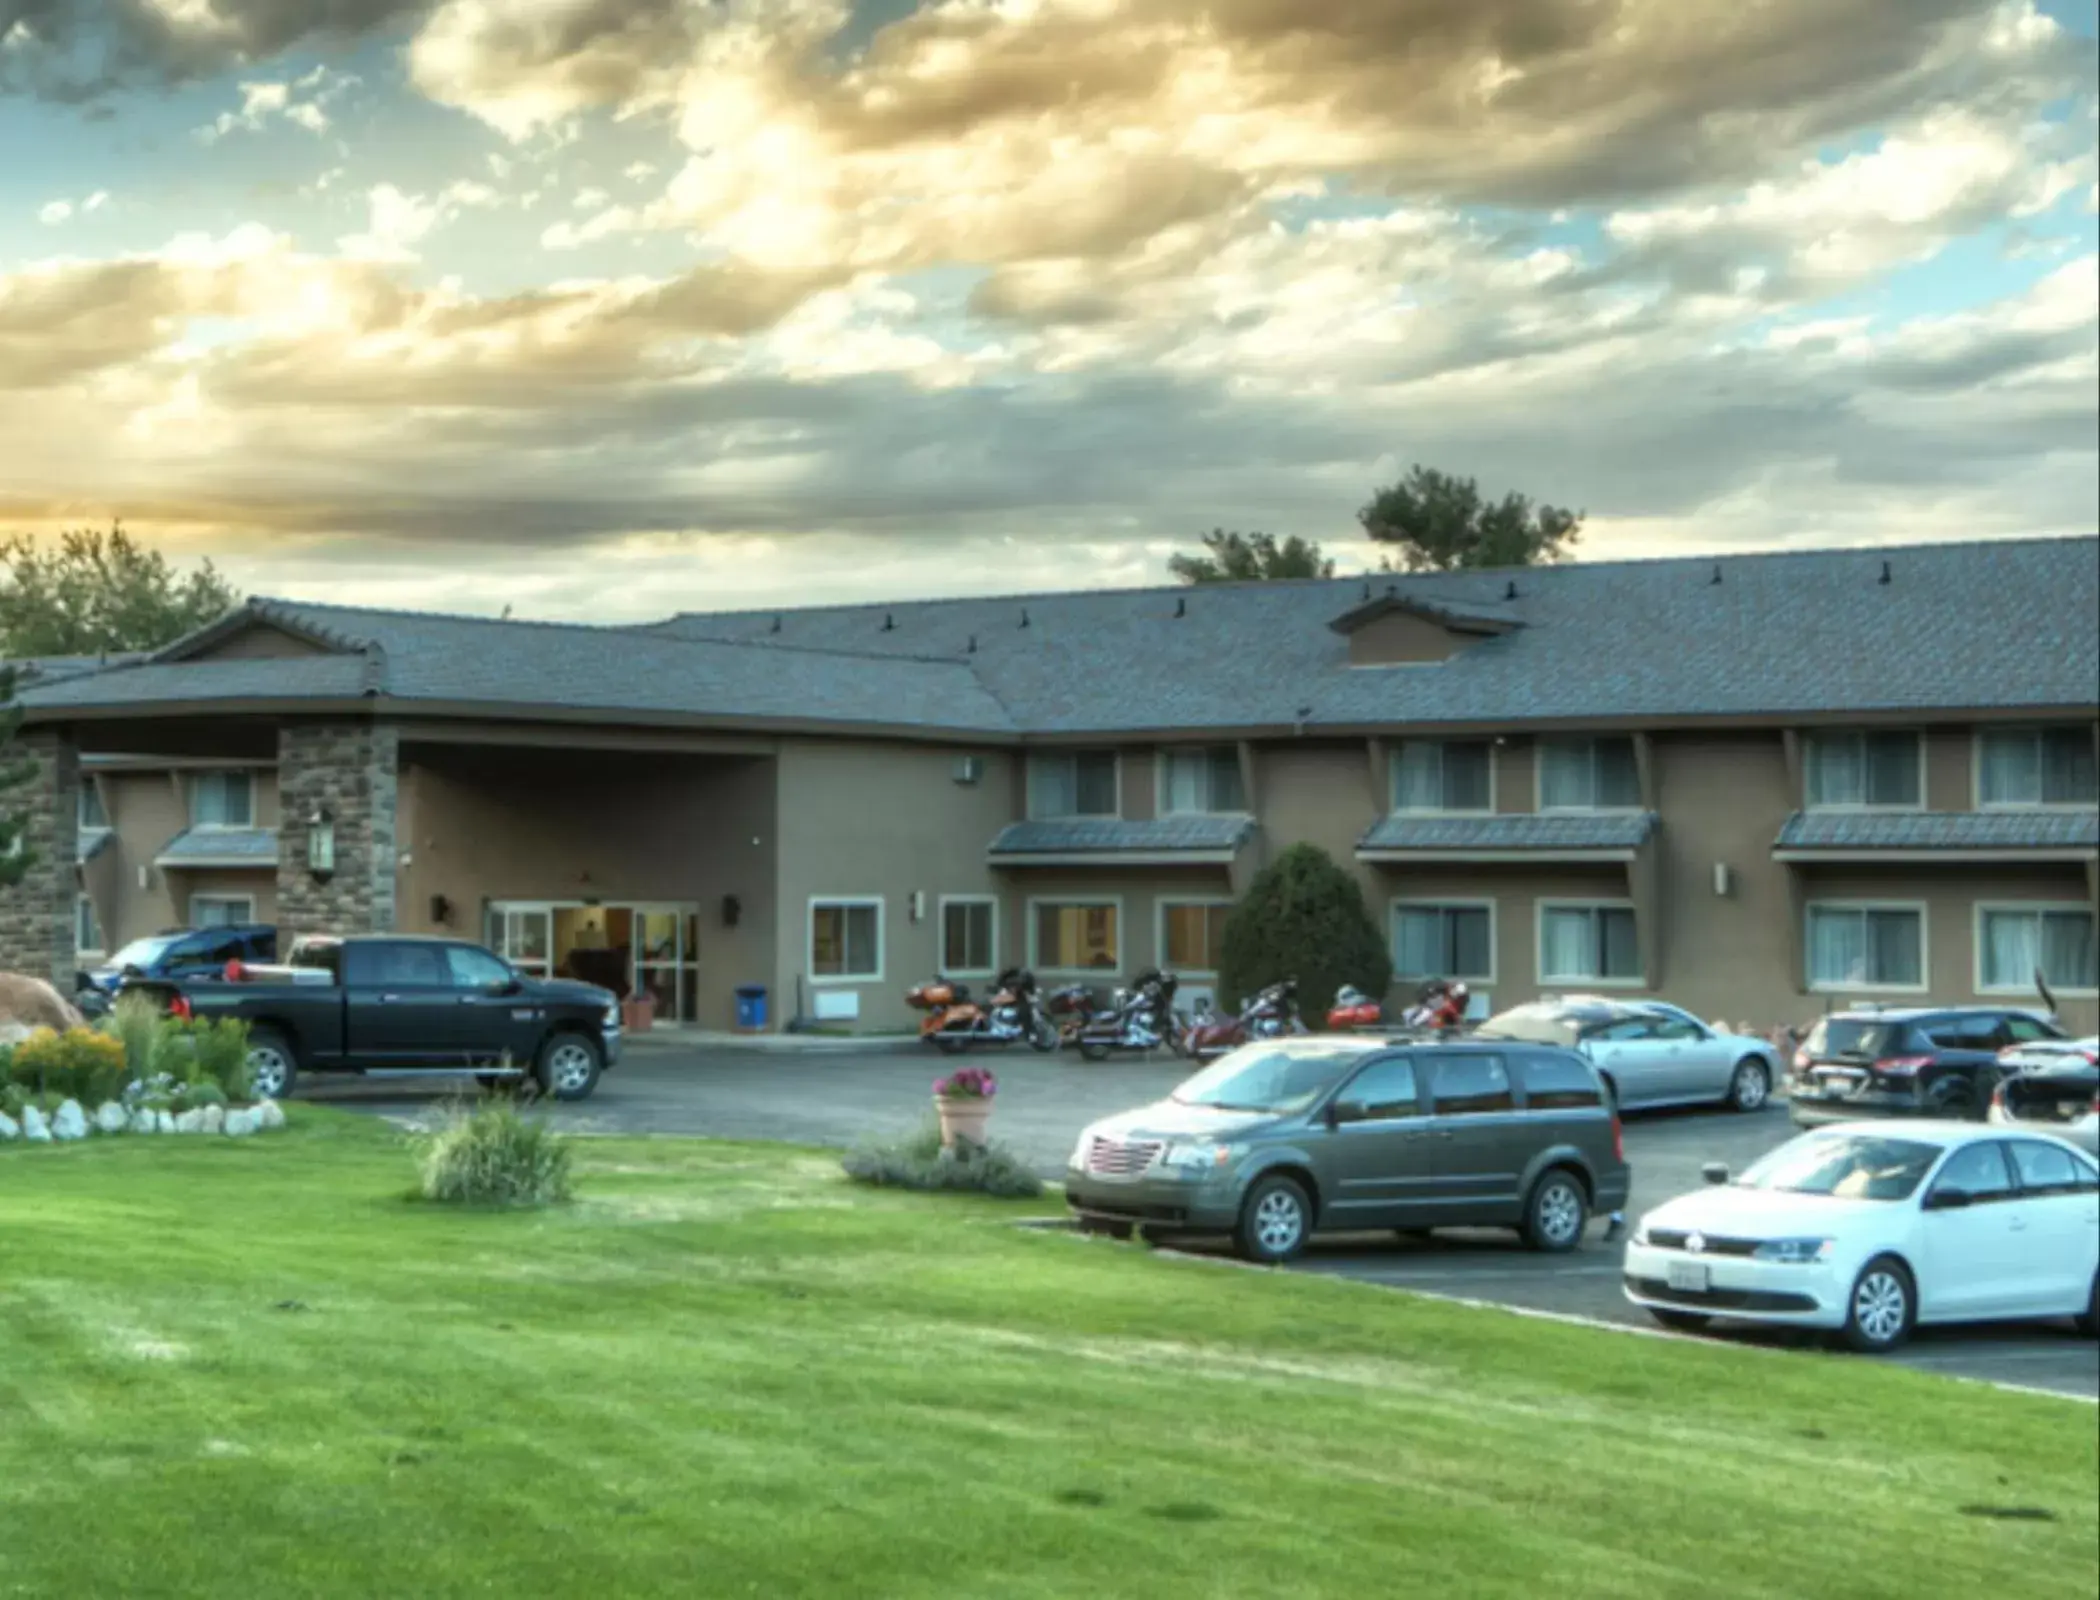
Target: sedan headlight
point(1195, 1158)
point(1799, 1252)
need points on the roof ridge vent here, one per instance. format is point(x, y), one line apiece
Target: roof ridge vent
point(889, 622)
point(1181, 605)
point(1887, 573)
point(1716, 578)
point(1510, 593)
point(1024, 616)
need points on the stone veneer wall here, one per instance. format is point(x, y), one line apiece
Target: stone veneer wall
point(36, 915)
point(353, 770)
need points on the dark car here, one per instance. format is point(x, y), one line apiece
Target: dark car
point(399, 1004)
point(1910, 1061)
point(179, 953)
point(1287, 1137)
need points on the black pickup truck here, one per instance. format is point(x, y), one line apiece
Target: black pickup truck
point(399, 1004)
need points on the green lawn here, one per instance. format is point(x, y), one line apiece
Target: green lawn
point(253, 1368)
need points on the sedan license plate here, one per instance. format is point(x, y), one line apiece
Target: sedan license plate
point(1690, 1277)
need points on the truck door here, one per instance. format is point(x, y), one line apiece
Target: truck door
point(492, 1020)
point(400, 1006)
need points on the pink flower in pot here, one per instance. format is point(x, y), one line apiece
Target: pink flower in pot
point(963, 1101)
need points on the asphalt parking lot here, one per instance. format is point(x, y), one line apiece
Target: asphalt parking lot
point(838, 1097)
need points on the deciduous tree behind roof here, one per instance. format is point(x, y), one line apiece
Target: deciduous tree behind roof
point(1435, 521)
point(15, 771)
point(91, 593)
point(1251, 558)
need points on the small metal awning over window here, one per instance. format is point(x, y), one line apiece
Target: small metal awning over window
point(1605, 836)
point(221, 847)
point(1112, 841)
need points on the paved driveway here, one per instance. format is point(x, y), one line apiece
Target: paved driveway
point(840, 1097)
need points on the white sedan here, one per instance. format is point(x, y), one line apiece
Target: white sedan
point(1870, 1229)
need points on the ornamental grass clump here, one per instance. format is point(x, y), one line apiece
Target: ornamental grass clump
point(485, 1153)
point(919, 1163)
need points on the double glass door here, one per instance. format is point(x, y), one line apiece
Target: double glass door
point(651, 949)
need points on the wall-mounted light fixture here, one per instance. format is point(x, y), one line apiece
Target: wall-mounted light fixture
point(320, 845)
point(440, 910)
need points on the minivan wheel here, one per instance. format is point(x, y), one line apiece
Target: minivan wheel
point(1275, 1220)
point(1881, 1308)
point(1556, 1213)
point(272, 1066)
point(1751, 1086)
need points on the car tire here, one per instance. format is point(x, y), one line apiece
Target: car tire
point(2089, 1324)
point(273, 1065)
point(1681, 1321)
point(1750, 1086)
point(568, 1066)
point(1275, 1221)
point(1882, 1307)
point(1557, 1212)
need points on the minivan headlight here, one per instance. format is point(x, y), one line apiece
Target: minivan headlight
point(1195, 1157)
point(1800, 1252)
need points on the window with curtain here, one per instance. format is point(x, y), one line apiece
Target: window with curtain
point(1076, 936)
point(2018, 942)
point(1073, 783)
point(2038, 767)
point(1586, 944)
point(222, 800)
point(1866, 947)
point(1588, 775)
point(1440, 941)
point(968, 940)
point(1202, 780)
point(1865, 770)
point(1441, 775)
point(220, 910)
point(1193, 935)
point(845, 939)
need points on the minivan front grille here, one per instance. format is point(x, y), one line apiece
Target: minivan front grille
point(1112, 1158)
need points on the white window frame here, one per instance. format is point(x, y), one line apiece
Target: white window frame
point(86, 902)
point(1160, 908)
point(1538, 782)
point(1096, 974)
point(2033, 730)
point(1924, 915)
point(1392, 783)
point(212, 897)
point(1162, 789)
point(254, 800)
point(2026, 908)
point(1447, 903)
point(809, 939)
point(1028, 784)
point(1810, 803)
point(1561, 980)
point(940, 934)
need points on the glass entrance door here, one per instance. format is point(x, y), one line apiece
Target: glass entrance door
point(665, 955)
point(524, 936)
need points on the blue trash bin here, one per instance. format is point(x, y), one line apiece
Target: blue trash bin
point(751, 1008)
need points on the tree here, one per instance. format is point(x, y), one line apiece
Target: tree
point(1251, 558)
point(94, 592)
point(15, 771)
point(1303, 917)
point(1438, 522)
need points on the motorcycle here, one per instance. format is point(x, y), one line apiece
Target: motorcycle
point(1139, 1018)
point(1353, 1009)
point(1269, 1015)
point(1073, 1008)
point(1439, 1008)
point(955, 1023)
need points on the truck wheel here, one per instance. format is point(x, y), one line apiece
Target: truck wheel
point(273, 1066)
point(569, 1065)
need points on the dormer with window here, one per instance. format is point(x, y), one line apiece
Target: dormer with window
point(1443, 778)
point(222, 799)
point(2028, 769)
point(1204, 781)
point(1064, 784)
point(1864, 770)
point(1599, 774)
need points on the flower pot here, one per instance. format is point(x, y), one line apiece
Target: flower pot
point(638, 1012)
point(962, 1117)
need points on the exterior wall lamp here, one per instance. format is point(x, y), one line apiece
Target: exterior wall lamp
point(320, 845)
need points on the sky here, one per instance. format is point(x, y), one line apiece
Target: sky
point(610, 308)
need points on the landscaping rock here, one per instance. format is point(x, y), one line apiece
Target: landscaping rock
point(69, 1122)
point(34, 1128)
point(111, 1117)
point(163, 1122)
point(189, 1122)
point(269, 1114)
point(214, 1119)
point(9, 1128)
point(142, 1120)
point(239, 1124)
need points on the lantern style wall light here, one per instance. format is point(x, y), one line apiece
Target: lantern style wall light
point(320, 845)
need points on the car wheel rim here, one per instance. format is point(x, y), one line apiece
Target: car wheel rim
point(267, 1071)
point(1749, 1088)
point(1878, 1305)
point(1560, 1213)
point(571, 1067)
point(1278, 1222)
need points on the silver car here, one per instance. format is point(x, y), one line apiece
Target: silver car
point(2051, 1086)
point(1649, 1054)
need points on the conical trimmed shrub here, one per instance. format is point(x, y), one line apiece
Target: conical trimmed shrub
point(1303, 917)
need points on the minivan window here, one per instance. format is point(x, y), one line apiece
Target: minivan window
point(1557, 1083)
point(1472, 1085)
point(1267, 1078)
point(1383, 1092)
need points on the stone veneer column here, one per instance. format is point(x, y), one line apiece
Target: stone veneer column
point(352, 770)
point(36, 915)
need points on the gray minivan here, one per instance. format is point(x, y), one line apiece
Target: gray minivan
point(1289, 1137)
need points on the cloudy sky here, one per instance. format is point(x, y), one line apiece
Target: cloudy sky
point(608, 307)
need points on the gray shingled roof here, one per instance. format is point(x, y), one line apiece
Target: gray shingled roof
point(92, 842)
point(220, 847)
point(1109, 836)
point(1940, 830)
point(1551, 831)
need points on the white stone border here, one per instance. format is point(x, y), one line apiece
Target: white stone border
point(71, 1122)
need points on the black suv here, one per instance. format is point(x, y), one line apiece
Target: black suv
point(1913, 1061)
point(180, 953)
